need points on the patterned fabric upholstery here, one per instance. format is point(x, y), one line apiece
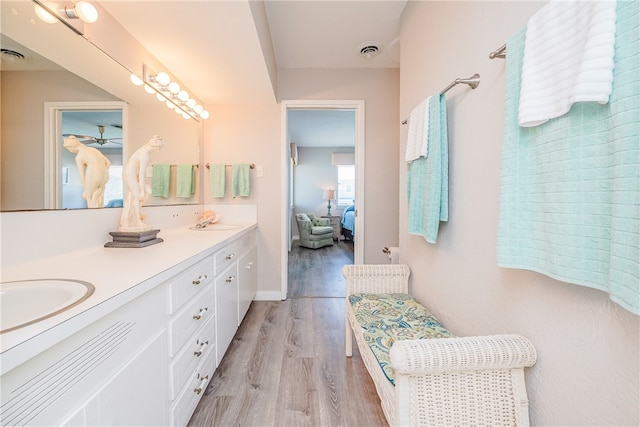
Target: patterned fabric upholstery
point(387, 318)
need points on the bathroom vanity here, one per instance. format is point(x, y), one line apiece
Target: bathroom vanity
point(142, 349)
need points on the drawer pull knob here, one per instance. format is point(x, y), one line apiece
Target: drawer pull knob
point(202, 385)
point(229, 256)
point(200, 279)
point(199, 315)
point(199, 352)
point(229, 279)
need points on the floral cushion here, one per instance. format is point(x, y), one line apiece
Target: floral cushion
point(386, 318)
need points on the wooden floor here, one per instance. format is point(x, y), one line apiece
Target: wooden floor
point(286, 365)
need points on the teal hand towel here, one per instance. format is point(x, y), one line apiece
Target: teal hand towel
point(185, 182)
point(570, 188)
point(160, 180)
point(240, 184)
point(428, 178)
point(217, 183)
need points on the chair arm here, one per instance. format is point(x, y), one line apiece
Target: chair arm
point(376, 278)
point(429, 356)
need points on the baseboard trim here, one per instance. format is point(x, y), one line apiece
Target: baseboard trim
point(268, 296)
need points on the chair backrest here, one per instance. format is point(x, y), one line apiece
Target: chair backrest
point(304, 225)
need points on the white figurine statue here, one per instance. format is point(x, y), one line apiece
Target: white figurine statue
point(136, 188)
point(93, 167)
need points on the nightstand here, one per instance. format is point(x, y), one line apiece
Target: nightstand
point(335, 223)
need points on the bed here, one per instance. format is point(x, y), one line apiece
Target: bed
point(348, 222)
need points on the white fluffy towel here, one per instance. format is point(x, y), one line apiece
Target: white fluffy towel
point(417, 141)
point(568, 58)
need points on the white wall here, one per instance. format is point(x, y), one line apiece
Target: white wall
point(587, 371)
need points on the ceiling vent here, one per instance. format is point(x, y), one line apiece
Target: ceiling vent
point(369, 49)
point(11, 55)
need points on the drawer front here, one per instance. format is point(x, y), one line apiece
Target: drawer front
point(188, 400)
point(225, 257)
point(188, 320)
point(195, 351)
point(187, 284)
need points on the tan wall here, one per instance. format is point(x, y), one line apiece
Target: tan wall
point(251, 134)
point(588, 347)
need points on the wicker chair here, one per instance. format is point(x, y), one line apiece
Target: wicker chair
point(442, 381)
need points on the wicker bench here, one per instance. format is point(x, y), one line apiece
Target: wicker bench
point(441, 381)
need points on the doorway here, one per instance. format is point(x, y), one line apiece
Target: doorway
point(357, 107)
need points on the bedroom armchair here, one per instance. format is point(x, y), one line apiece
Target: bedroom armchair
point(314, 232)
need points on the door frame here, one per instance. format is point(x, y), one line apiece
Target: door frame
point(358, 107)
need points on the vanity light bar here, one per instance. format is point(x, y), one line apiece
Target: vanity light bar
point(170, 93)
point(51, 13)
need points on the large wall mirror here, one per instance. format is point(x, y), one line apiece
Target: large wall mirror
point(55, 83)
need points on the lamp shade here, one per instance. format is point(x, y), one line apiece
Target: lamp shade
point(329, 194)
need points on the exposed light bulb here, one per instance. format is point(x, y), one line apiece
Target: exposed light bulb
point(160, 98)
point(136, 80)
point(198, 109)
point(183, 95)
point(186, 116)
point(86, 11)
point(44, 15)
point(174, 87)
point(163, 78)
point(204, 114)
point(191, 103)
point(149, 89)
point(170, 105)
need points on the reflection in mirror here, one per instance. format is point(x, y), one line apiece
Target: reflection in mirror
point(58, 66)
point(90, 161)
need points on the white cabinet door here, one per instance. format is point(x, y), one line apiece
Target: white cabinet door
point(226, 309)
point(137, 395)
point(247, 281)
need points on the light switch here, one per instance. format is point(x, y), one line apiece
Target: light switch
point(259, 171)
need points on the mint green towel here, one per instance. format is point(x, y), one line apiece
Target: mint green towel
point(160, 180)
point(240, 184)
point(185, 181)
point(217, 176)
point(570, 188)
point(428, 178)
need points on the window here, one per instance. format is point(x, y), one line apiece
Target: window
point(115, 186)
point(346, 185)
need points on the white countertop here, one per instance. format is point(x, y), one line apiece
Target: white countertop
point(118, 274)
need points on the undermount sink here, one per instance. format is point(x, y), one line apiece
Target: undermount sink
point(217, 227)
point(25, 302)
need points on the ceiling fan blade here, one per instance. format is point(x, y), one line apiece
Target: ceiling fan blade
point(66, 135)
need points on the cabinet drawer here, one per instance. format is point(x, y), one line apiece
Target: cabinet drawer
point(196, 350)
point(188, 283)
point(186, 403)
point(224, 258)
point(187, 321)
